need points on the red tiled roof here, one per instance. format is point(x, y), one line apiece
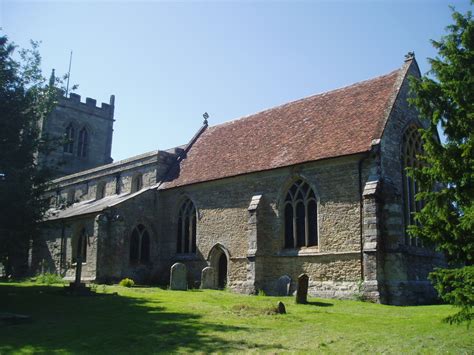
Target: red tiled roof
point(336, 123)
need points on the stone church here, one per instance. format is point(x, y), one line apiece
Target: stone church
point(314, 186)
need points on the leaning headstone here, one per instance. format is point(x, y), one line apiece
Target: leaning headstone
point(281, 309)
point(283, 286)
point(208, 279)
point(302, 290)
point(178, 278)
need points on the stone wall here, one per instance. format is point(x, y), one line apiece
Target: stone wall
point(225, 218)
point(405, 267)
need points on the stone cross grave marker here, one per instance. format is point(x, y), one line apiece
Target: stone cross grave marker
point(283, 285)
point(208, 278)
point(178, 278)
point(302, 290)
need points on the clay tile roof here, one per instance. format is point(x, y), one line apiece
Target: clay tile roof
point(336, 123)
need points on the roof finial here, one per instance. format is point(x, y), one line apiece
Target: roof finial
point(206, 116)
point(409, 56)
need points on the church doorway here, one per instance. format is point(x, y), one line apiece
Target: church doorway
point(222, 272)
point(219, 261)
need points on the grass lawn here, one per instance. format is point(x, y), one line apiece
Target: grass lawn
point(152, 320)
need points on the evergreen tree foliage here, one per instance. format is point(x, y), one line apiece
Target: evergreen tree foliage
point(445, 97)
point(25, 100)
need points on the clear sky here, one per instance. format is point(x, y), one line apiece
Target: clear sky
point(169, 62)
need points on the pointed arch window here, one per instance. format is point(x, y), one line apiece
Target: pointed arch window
point(186, 239)
point(69, 139)
point(139, 245)
point(83, 143)
point(411, 148)
point(301, 216)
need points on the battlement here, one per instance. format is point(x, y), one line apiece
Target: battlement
point(90, 106)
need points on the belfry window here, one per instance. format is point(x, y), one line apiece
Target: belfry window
point(83, 143)
point(139, 245)
point(69, 139)
point(301, 216)
point(412, 146)
point(186, 240)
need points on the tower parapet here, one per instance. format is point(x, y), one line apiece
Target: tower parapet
point(90, 107)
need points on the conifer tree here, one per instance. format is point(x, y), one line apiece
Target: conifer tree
point(25, 99)
point(445, 97)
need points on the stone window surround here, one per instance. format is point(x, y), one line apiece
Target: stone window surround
point(306, 249)
point(100, 190)
point(187, 213)
point(410, 146)
point(83, 142)
point(137, 183)
point(69, 135)
point(142, 232)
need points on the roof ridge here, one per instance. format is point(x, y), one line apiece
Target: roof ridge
point(358, 83)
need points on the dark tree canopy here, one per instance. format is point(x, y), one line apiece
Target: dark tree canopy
point(445, 97)
point(25, 99)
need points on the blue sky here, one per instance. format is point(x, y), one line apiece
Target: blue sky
point(169, 62)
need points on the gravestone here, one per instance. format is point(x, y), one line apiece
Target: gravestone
point(208, 278)
point(281, 309)
point(283, 285)
point(178, 278)
point(302, 290)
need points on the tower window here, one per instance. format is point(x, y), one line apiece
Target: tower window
point(69, 139)
point(83, 143)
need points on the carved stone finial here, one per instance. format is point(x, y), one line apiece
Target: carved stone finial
point(206, 116)
point(409, 56)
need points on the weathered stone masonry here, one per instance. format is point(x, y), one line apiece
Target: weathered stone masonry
point(344, 145)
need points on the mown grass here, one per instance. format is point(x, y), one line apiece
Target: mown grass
point(152, 320)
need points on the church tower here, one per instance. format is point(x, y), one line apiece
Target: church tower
point(85, 132)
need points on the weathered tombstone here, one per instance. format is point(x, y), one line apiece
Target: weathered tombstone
point(208, 278)
point(283, 285)
point(178, 279)
point(281, 309)
point(302, 290)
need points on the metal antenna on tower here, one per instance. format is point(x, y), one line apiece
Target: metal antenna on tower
point(68, 74)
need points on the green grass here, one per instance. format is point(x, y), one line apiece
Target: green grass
point(151, 320)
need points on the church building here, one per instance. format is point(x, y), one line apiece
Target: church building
point(315, 186)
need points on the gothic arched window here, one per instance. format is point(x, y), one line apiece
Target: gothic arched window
point(411, 147)
point(139, 245)
point(301, 216)
point(137, 183)
point(186, 240)
point(69, 139)
point(83, 143)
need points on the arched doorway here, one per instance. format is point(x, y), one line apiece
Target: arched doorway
point(219, 261)
point(222, 271)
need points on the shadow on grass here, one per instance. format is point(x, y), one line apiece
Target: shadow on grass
point(106, 324)
point(320, 304)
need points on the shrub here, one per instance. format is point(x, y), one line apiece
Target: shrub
point(126, 282)
point(48, 279)
point(261, 293)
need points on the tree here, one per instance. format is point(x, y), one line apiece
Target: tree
point(445, 97)
point(25, 99)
